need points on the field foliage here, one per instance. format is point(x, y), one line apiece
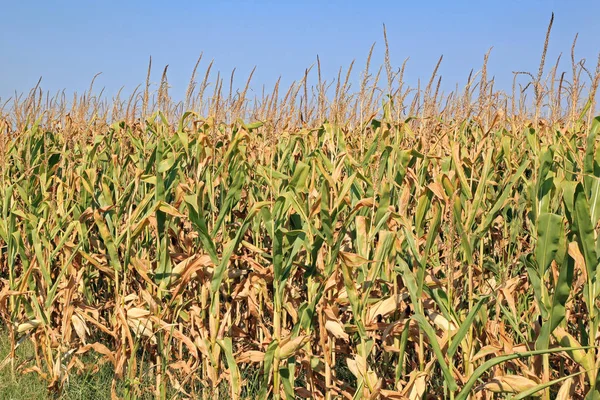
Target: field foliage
point(325, 242)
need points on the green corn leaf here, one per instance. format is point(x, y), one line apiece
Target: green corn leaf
point(234, 372)
point(464, 183)
point(480, 191)
point(298, 181)
point(113, 255)
point(559, 299)
point(585, 232)
point(465, 326)
point(550, 230)
point(433, 342)
point(500, 202)
point(267, 366)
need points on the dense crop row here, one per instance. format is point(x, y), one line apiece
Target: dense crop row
point(330, 250)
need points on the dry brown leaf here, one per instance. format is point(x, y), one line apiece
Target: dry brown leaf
point(392, 395)
point(564, 393)
point(142, 326)
point(575, 253)
point(99, 348)
point(383, 308)
point(368, 202)
point(419, 385)
point(509, 384)
point(80, 326)
point(441, 322)
point(134, 313)
point(251, 356)
point(336, 329)
point(352, 259)
point(438, 190)
point(303, 393)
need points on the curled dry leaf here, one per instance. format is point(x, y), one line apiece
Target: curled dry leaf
point(333, 324)
point(355, 366)
point(352, 259)
point(417, 386)
point(441, 322)
point(565, 391)
point(251, 356)
point(438, 190)
point(80, 326)
point(358, 367)
point(99, 348)
point(368, 202)
point(135, 313)
point(509, 384)
point(143, 327)
point(336, 329)
point(392, 395)
point(382, 308)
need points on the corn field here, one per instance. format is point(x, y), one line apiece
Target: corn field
point(380, 242)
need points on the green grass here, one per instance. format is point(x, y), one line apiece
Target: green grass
point(14, 385)
point(83, 386)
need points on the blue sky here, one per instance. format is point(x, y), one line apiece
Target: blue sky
point(67, 42)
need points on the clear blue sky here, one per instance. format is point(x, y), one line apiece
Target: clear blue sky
point(67, 42)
